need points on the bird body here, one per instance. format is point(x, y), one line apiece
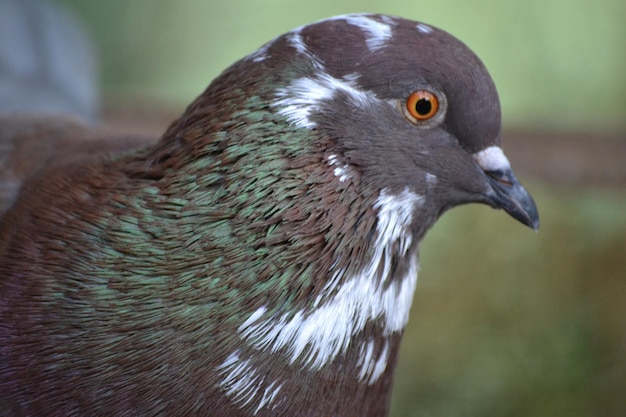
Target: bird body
point(261, 257)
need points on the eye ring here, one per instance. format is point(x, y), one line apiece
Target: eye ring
point(421, 105)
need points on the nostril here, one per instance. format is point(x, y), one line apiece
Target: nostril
point(499, 176)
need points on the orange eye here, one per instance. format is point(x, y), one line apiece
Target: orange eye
point(422, 105)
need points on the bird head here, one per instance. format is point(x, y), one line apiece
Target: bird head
point(401, 105)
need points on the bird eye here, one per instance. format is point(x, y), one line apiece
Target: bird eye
point(421, 105)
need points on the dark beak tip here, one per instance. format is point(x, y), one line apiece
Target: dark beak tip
point(524, 211)
point(536, 222)
point(513, 198)
point(535, 225)
point(530, 207)
point(524, 208)
point(533, 221)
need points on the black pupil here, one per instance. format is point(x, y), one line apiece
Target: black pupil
point(423, 106)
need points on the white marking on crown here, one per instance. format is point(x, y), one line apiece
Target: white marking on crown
point(424, 28)
point(317, 337)
point(390, 20)
point(261, 53)
point(305, 95)
point(492, 159)
point(242, 382)
point(295, 39)
point(378, 33)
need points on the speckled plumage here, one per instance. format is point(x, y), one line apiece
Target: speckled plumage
point(260, 259)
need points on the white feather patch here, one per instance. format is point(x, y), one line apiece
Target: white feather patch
point(380, 365)
point(431, 179)
point(371, 368)
point(241, 381)
point(424, 28)
point(261, 53)
point(377, 33)
point(339, 169)
point(305, 95)
point(316, 337)
point(244, 384)
point(295, 40)
point(492, 159)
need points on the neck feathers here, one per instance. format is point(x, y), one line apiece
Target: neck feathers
point(355, 320)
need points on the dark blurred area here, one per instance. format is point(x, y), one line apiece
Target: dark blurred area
point(505, 322)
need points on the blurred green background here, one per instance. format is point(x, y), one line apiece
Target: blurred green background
point(557, 63)
point(505, 322)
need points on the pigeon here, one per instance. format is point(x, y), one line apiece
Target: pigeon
point(260, 257)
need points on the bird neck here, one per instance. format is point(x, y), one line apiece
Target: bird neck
point(341, 334)
point(323, 287)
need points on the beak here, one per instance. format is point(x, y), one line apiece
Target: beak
point(508, 194)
